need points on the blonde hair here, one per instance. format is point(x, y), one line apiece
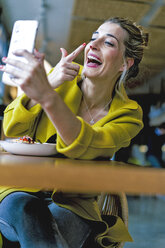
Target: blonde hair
point(135, 43)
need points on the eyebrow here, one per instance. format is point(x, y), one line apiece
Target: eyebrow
point(110, 35)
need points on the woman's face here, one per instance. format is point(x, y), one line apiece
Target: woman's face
point(104, 53)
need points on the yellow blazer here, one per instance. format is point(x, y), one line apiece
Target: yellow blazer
point(104, 138)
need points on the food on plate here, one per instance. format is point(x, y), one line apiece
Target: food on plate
point(25, 139)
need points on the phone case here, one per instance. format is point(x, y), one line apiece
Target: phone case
point(23, 37)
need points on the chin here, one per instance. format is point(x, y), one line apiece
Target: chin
point(88, 75)
point(90, 72)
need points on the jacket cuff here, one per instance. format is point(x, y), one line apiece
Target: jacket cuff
point(19, 105)
point(79, 145)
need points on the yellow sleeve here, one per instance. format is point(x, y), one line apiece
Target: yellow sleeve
point(1, 243)
point(103, 141)
point(19, 121)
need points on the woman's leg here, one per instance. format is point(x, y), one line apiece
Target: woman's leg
point(73, 228)
point(26, 218)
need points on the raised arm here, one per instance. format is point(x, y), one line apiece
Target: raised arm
point(32, 79)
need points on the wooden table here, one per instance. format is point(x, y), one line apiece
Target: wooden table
point(79, 175)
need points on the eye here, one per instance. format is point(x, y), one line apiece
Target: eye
point(92, 39)
point(109, 43)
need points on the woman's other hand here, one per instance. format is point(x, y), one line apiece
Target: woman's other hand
point(65, 70)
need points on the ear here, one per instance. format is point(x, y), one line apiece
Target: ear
point(128, 62)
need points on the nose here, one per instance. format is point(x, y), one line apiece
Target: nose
point(93, 47)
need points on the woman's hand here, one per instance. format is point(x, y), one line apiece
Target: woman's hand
point(65, 70)
point(30, 76)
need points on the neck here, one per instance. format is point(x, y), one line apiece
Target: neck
point(97, 94)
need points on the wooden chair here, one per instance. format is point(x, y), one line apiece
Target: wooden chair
point(114, 204)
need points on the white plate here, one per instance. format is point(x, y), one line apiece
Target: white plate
point(37, 149)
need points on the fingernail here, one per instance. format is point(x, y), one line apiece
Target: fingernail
point(84, 44)
point(1, 66)
point(4, 58)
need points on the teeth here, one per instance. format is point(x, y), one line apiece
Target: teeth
point(93, 58)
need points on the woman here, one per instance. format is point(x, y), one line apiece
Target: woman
point(86, 111)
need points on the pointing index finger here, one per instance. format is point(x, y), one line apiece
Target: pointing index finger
point(76, 52)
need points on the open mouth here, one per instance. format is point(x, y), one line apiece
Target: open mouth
point(93, 61)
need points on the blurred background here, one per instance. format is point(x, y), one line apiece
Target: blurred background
point(69, 23)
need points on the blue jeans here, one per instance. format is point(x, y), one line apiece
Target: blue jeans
point(35, 221)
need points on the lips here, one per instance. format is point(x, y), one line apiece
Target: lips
point(93, 60)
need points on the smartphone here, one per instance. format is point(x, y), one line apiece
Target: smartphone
point(23, 37)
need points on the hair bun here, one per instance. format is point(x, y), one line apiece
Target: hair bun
point(145, 37)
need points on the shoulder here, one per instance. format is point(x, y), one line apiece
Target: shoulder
point(122, 101)
point(125, 110)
